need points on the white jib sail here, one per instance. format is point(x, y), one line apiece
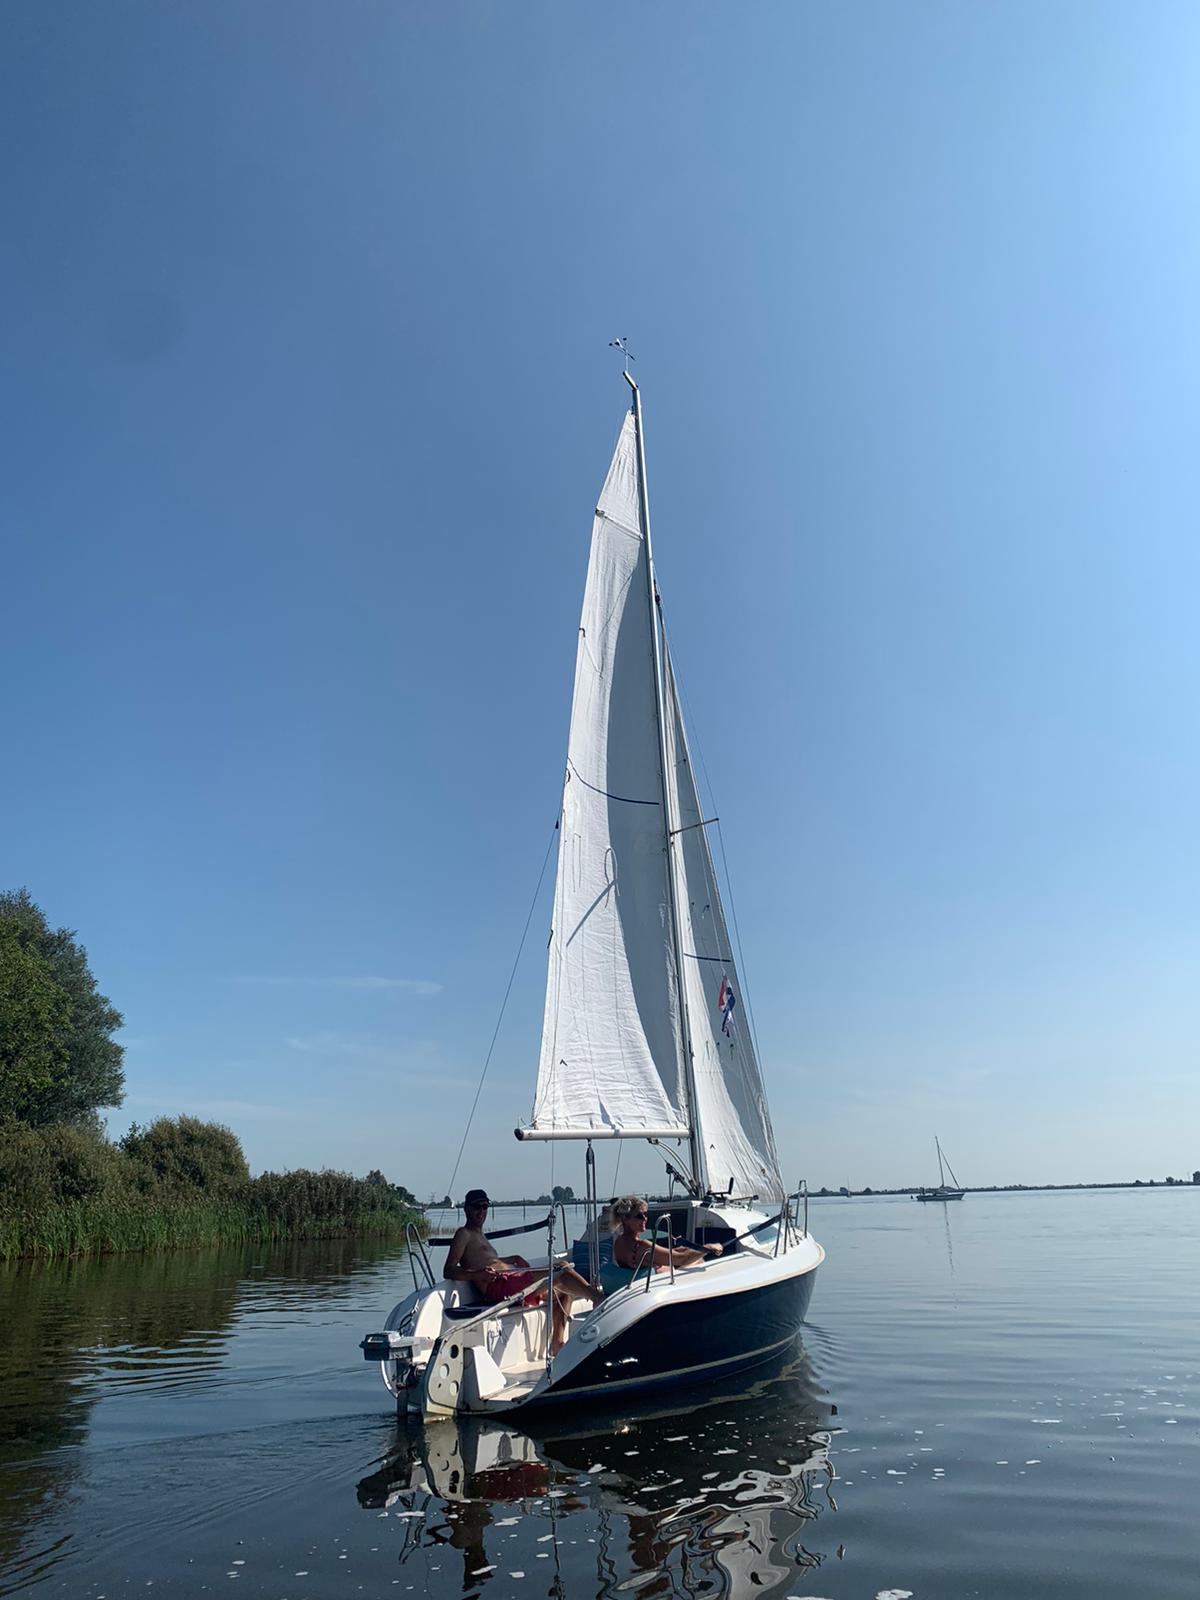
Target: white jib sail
point(734, 1127)
point(611, 1061)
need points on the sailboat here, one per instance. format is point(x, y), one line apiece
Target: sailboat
point(944, 1191)
point(644, 1037)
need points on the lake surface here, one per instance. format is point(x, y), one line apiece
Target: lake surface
point(995, 1398)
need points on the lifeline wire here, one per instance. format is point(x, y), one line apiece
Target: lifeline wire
point(512, 975)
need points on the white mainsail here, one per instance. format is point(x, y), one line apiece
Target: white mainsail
point(611, 1059)
point(734, 1137)
point(633, 859)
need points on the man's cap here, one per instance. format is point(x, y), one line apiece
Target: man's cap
point(477, 1197)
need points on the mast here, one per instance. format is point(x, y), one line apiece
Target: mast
point(698, 1165)
point(941, 1170)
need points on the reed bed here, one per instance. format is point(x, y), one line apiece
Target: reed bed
point(67, 1191)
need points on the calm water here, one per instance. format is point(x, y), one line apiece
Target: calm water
point(994, 1398)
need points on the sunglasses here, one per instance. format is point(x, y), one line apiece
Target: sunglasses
point(641, 1213)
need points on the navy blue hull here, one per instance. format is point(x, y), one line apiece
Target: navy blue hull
point(679, 1343)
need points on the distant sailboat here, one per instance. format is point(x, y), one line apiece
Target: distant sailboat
point(944, 1191)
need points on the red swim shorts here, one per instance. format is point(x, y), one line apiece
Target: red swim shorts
point(506, 1283)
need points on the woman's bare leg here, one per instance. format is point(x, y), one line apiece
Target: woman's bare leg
point(578, 1288)
point(568, 1286)
point(562, 1314)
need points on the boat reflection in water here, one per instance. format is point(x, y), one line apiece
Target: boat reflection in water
point(719, 1497)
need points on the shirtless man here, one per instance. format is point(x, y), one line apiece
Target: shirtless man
point(473, 1259)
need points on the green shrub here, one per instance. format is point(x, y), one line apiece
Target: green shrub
point(42, 1167)
point(183, 1152)
point(85, 1164)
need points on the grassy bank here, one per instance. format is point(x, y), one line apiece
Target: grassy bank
point(68, 1191)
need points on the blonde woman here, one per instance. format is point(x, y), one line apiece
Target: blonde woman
point(631, 1251)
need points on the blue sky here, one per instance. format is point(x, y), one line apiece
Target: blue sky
point(307, 403)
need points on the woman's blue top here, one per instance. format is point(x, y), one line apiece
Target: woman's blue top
point(614, 1277)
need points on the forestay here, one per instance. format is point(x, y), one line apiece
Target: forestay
point(611, 1060)
point(734, 1129)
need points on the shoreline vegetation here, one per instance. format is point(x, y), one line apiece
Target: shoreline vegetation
point(68, 1191)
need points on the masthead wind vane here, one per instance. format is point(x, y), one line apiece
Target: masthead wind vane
point(622, 345)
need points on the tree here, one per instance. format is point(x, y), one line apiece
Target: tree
point(35, 1018)
point(185, 1152)
point(58, 1061)
point(406, 1197)
point(559, 1193)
